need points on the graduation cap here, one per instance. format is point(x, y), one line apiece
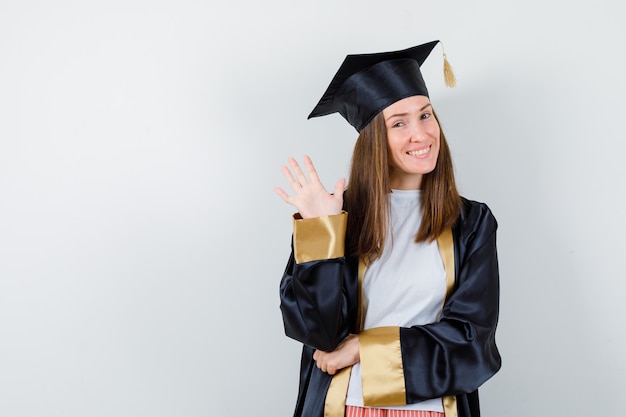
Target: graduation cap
point(366, 84)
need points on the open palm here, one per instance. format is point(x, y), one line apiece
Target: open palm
point(310, 197)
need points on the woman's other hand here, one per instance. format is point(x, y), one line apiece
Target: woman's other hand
point(311, 198)
point(346, 354)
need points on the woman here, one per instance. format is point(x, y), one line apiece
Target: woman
point(392, 285)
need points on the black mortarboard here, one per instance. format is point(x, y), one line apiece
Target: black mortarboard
point(366, 84)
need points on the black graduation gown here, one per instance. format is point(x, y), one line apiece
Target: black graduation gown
point(454, 356)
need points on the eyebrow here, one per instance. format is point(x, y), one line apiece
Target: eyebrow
point(404, 114)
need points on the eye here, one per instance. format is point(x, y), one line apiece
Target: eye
point(398, 124)
point(426, 116)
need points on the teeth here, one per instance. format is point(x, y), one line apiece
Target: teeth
point(420, 152)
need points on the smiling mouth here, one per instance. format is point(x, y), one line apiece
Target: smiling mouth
point(419, 152)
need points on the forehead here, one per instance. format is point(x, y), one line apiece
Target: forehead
point(407, 105)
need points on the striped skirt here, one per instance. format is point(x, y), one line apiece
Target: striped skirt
point(352, 411)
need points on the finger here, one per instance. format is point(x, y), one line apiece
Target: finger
point(293, 183)
point(282, 194)
point(322, 365)
point(339, 188)
point(298, 171)
point(311, 169)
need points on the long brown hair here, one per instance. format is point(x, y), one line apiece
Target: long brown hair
point(366, 197)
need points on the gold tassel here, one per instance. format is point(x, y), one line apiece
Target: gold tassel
point(448, 74)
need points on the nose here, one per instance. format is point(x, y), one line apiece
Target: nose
point(418, 132)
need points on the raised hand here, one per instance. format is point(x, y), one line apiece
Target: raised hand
point(311, 198)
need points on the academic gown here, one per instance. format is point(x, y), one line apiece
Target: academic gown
point(319, 295)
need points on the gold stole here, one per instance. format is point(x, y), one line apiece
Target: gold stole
point(446, 249)
point(335, 404)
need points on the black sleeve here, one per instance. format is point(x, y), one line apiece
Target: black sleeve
point(315, 299)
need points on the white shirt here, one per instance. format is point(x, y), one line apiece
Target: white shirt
point(405, 286)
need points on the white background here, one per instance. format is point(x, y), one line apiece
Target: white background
point(141, 242)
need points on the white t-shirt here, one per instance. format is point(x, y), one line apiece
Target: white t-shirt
point(406, 286)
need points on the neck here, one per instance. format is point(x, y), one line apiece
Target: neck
point(405, 182)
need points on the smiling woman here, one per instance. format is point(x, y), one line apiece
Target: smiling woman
point(413, 141)
point(394, 289)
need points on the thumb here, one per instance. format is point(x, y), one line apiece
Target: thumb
point(339, 188)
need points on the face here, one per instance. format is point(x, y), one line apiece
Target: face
point(413, 137)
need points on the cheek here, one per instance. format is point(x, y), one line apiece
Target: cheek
point(392, 152)
point(436, 134)
point(435, 131)
point(393, 144)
